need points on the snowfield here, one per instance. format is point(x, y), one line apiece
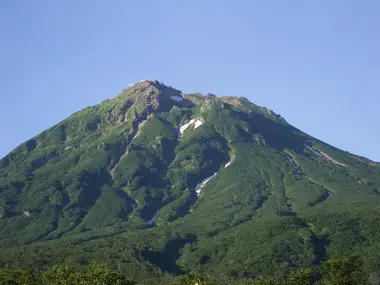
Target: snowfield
point(324, 156)
point(315, 152)
point(196, 122)
point(176, 98)
point(202, 184)
point(185, 126)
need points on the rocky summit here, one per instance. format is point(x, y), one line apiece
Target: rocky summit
point(160, 182)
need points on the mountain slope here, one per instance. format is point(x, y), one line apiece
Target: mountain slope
point(161, 181)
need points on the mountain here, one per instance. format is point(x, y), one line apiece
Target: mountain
point(161, 182)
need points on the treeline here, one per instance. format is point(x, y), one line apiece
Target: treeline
point(345, 270)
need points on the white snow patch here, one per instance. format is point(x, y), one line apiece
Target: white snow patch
point(176, 98)
point(202, 184)
point(185, 126)
point(150, 222)
point(135, 204)
point(232, 158)
point(325, 156)
point(197, 124)
point(139, 129)
point(315, 152)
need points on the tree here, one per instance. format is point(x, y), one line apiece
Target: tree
point(17, 277)
point(195, 279)
point(103, 275)
point(345, 270)
point(62, 275)
point(303, 276)
point(95, 274)
point(373, 279)
point(267, 280)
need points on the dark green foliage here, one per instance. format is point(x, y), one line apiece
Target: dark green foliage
point(103, 275)
point(345, 270)
point(192, 279)
point(115, 183)
point(62, 275)
point(304, 276)
point(94, 275)
point(18, 277)
point(113, 206)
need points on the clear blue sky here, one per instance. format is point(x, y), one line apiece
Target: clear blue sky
point(317, 63)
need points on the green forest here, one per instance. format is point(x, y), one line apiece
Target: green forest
point(344, 270)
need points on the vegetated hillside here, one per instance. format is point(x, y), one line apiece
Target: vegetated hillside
point(347, 270)
point(164, 182)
